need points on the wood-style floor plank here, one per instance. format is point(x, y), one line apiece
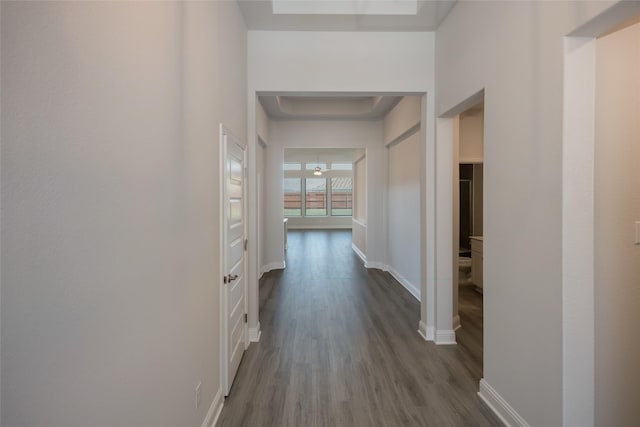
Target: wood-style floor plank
point(339, 347)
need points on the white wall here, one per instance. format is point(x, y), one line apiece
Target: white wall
point(403, 118)
point(311, 134)
point(262, 130)
point(360, 190)
point(400, 130)
point(471, 137)
point(262, 123)
point(403, 208)
point(514, 50)
point(617, 206)
point(260, 156)
point(478, 199)
point(308, 61)
point(359, 224)
point(110, 112)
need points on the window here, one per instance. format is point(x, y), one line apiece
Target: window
point(292, 197)
point(312, 166)
point(307, 195)
point(341, 166)
point(341, 196)
point(292, 166)
point(315, 197)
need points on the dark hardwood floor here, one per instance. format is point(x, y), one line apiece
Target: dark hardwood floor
point(339, 347)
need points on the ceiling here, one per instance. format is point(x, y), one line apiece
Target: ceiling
point(345, 15)
point(327, 107)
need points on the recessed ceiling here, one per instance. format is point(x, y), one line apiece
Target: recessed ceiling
point(345, 15)
point(327, 107)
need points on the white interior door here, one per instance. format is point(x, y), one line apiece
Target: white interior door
point(233, 257)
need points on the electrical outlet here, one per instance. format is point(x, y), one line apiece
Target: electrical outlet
point(198, 394)
point(637, 240)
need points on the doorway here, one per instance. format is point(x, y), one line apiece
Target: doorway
point(468, 233)
point(305, 132)
point(601, 211)
point(617, 225)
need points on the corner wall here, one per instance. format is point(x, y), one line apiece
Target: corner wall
point(110, 284)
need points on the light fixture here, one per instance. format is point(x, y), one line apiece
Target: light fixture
point(318, 170)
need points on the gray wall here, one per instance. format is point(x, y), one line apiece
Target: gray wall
point(110, 112)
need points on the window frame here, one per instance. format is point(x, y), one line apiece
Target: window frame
point(305, 173)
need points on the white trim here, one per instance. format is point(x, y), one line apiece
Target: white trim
point(378, 265)
point(214, 411)
point(446, 137)
point(222, 259)
point(428, 217)
point(358, 252)
point(410, 287)
point(274, 266)
point(413, 289)
point(426, 332)
point(578, 340)
point(255, 333)
point(445, 337)
point(360, 223)
point(499, 406)
point(456, 322)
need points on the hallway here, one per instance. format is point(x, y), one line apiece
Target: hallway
point(339, 347)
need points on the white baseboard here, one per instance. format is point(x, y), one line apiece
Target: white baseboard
point(358, 252)
point(214, 410)
point(274, 266)
point(499, 406)
point(426, 332)
point(445, 337)
point(255, 333)
point(378, 265)
point(456, 322)
point(413, 289)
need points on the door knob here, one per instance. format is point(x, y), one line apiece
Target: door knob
point(230, 278)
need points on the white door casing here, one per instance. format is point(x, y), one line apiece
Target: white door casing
point(233, 283)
